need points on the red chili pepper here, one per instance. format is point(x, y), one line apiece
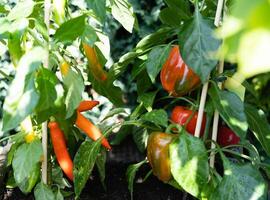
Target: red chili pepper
point(180, 115)
point(226, 136)
point(176, 77)
point(60, 149)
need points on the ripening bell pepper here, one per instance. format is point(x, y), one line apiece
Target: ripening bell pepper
point(176, 77)
point(158, 154)
point(181, 114)
point(226, 136)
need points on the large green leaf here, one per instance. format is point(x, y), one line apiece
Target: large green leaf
point(21, 10)
point(259, 125)
point(70, 30)
point(99, 7)
point(230, 108)
point(155, 61)
point(22, 96)
point(42, 192)
point(26, 159)
point(189, 163)
point(198, 44)
point(158, 117)
point(46, 81)
point(14, 47)
point(176, 13)
point(122, 11)
point(28, 183)
point(75, 86)
point(84, 162)
point(240, 182)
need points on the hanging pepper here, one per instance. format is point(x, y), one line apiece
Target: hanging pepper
point(94, 64)
point(158, 154)
point(176, 77)
point(226, 136)
point(181, 114)
point(60, 149)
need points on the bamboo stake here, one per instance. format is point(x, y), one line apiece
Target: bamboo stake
point(220, 70)
point(47, 10)
point(204, 93)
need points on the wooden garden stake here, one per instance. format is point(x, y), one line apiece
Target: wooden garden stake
point(47, 10)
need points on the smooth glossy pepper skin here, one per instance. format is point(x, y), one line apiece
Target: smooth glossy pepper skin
point(226, 136)
point(94, 65)
point(176, 77)
point(158, 154)
point(181, 114)
point(60, 149)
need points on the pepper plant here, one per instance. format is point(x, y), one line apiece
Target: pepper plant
point(168, 68)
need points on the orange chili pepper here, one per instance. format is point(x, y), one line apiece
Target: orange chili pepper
point(60, 149)
point(91, 130)
point(87, 105)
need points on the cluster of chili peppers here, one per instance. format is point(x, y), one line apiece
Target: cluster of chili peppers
point(59, 142)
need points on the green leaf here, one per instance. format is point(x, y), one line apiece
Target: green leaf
point(26, 159)
point(171, 17)
point(158, 117)
point(259, 125)
point(147, 99)
point(21, 10)
point(231, 109)
point(198, 44)
point(120, 67)
point(75, 86)
point(99, 7)
point(189, 163)
point(46, 82)
point(42, 192)
point(140, 137)
point(154, 39)
point(84, 162)
point(59, 195)
point(177, 12)
point(122, 11)
point(22, 96)
point(100, 162)
point(70, 30)
point(14, 47)
point(89, 35)
point(155, 61)
point(143, 83)
point(131, 172)
point(108, 89)
point(28, 183)
point(240, 182)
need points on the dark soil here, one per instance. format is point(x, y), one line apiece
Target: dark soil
point(116, 183)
